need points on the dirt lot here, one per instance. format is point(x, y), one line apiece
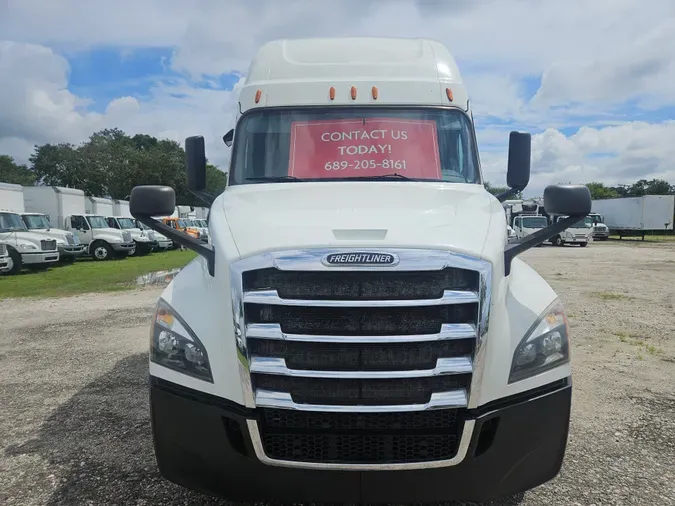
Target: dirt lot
point(74, 425)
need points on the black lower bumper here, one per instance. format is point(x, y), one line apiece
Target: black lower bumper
point(202, 443)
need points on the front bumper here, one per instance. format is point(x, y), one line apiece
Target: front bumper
point(202, 442)
point(123, 246)
point(164, 244)
point(70, 250)
point(42, 257)
point(4, 262)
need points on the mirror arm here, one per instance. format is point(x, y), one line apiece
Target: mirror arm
point(205, 250)
point(501, 197)
point(532, 240)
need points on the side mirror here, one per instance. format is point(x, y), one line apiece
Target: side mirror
point(228, 137)
point(148, 201)
point(195, 161)
point(567, 200)
point(572, 201)
point(520, 151)
point(152, 200)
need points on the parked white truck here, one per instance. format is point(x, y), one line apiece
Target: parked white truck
point(121, 208)
point(4, 257)
point(631, 216)
point(358, 330)
point(52, 198)
point(145, 242)
point(25, 248)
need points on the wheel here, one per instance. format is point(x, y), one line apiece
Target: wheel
point(558, 241)
point(583, 244)
point(38, 267)
point(101, 251)
point(15, 262)
point(67, 259)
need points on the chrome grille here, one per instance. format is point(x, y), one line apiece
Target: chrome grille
point(3, 249)
point(70, 239)
point(46, 245)
point(126, 236)
point(348, 341)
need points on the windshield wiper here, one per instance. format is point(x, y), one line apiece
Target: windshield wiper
point(273, 178)
point(395, 175)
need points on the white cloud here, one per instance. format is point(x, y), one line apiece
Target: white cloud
point(591, 57)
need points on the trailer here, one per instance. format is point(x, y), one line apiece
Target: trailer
point(636, 216)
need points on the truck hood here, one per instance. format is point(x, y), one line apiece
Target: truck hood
point(359, 214)
point(54, 233)
point(33, 238)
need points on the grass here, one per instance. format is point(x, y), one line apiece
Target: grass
point(87, 275)
point(610, 296)
point(639, 342)
point(648, 238)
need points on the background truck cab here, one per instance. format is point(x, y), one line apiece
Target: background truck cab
point(146, 242)
point(68, 243)
point(25, 248)
point(580, 233)
point(102, 241)
point(180, 225)
point(526, 225)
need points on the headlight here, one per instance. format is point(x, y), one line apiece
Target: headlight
point(175, 346)
point(545, 345)
point(27, 246)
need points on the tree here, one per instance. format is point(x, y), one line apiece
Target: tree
point(11, 172)
point(600, 191)
point(110, 163)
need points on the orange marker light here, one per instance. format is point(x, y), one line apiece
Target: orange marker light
point(258, 94)
point(375, 93)
point(448, 92)
point(353, 92)
point(332, 93)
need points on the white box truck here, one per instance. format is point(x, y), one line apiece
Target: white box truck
point(121, 208)
point(637, 215)
point(52, 200)
point(357, 329)
point(25, 248)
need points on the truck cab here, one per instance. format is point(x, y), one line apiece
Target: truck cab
point(102, 241)
point(196, 224)
point(600, 230)
point(526, 225)
point(146, 242)
point(25, 248)
point(180, 225)
point(68, 244)
point(580, 232)
point(357, 329)
point(163, 242)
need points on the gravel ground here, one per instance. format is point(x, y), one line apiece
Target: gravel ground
point(74, 423)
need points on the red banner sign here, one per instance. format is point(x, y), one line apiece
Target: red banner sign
point(358, 148)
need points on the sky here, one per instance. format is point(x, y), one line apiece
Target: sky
point(592, 80)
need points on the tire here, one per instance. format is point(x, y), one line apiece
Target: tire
point(67, 259)
point(101, 250)
point(39, 267)
point(558, 241)
point(583, 244)
point(15, 262)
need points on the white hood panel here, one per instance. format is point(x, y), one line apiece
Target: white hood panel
point(358, 214)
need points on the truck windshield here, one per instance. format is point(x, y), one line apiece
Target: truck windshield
point(36, 221)
point(126, 223)
point(585, 223)
point(324, 144)
point(11, 222)
point(142, 225)
point(97, 222)
point(535, 222)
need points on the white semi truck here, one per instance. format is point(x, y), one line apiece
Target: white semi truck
point(358, 329)
point(25, 248)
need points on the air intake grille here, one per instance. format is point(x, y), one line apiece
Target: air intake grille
point(126, 236)
point(70, 239)
point(361, 366)
point(48, 245)
point(3, 249)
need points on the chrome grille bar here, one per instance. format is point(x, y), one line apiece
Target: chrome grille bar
point(444, 366)
point(449, 297)
point(442, 400)
point(272, 331)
